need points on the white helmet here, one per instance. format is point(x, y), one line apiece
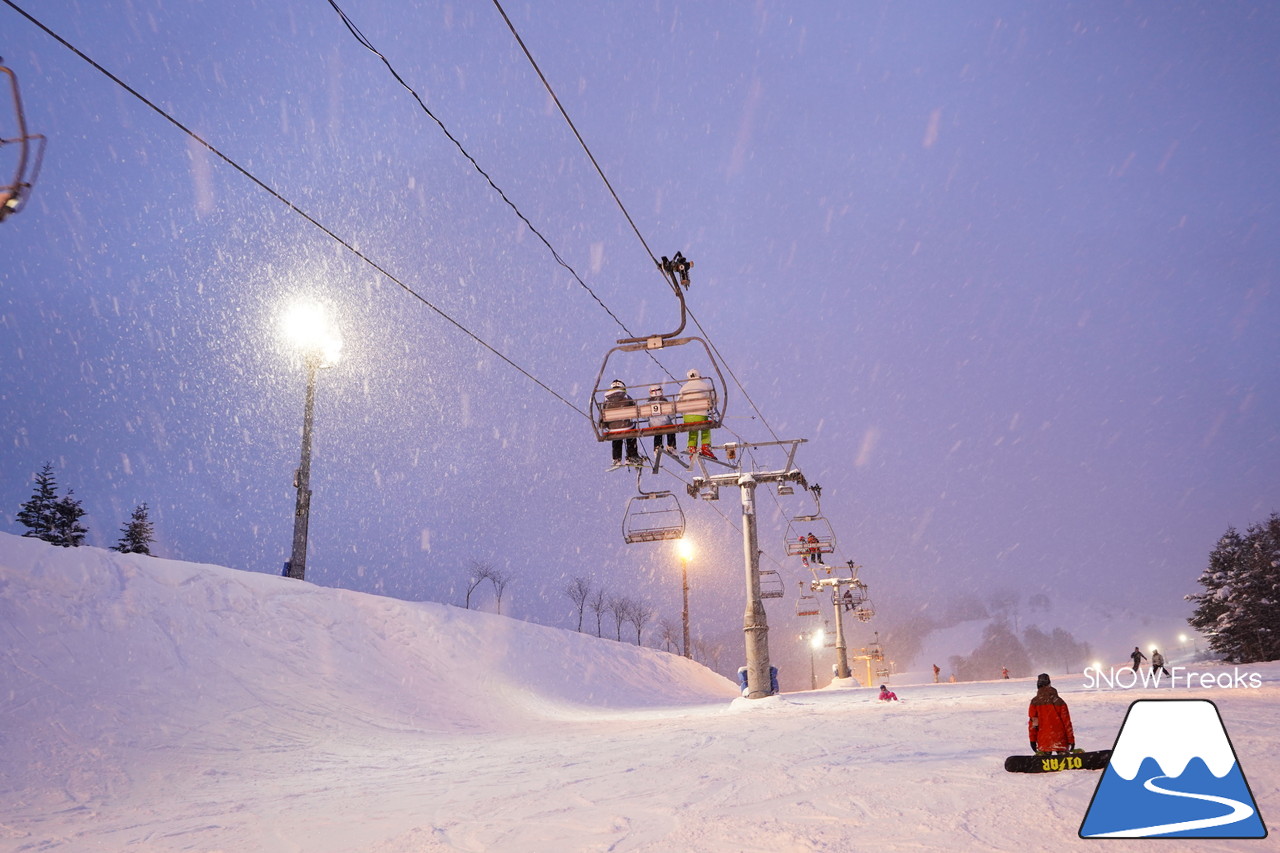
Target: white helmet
point(693, 373)
point(655, 389)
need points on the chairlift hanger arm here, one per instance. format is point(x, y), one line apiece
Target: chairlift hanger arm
point(13, 195)
point(676, 271)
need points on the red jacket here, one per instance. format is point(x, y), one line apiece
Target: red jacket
point(1049, 723)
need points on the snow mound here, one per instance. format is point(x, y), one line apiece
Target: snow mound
point(213, 658)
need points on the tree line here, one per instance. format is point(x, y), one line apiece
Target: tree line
point(636, 614)
point(59, 520)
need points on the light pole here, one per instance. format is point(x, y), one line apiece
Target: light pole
point(815, 639)
point(685, 547)
point(309, 329)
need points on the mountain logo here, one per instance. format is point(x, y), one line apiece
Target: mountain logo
point(1173, 774)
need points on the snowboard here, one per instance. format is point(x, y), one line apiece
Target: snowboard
point(1096, 760)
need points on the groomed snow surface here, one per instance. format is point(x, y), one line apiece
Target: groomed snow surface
point(147, 704)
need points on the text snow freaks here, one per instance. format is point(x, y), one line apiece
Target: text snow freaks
point(1126, 678)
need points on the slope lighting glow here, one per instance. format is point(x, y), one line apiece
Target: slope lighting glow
point(308, 327)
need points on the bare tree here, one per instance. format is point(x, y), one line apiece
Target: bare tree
point(477, 573)
point(639, 614)
point(669, 634)
point(500, 578)
point(578, 589)
point(620, 607)
point(599, 603)
point(708, 653)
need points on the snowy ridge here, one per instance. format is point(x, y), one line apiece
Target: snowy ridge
point(180, 647)
point(1173, 733)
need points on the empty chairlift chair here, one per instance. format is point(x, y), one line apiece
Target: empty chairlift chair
point(652, 517)
point(807, 603)
point(771, 584)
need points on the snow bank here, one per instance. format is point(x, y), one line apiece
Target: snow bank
point(213, 658)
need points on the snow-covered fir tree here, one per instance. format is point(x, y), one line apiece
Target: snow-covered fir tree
point(1239, 610)
point(136, 536)
point(39, 513)
point(67, 529)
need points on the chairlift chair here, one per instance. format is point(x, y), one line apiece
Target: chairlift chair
point(864, 611)
point(652, 517)
point(771, 584)
point(810, 534)
point(634, 419)
point(807, 603)
point(799, 529)
point(13, 195)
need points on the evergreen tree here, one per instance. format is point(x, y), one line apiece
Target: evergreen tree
point(39, 513)
point(136, 536)
point(1239, 610)
point(67, 529)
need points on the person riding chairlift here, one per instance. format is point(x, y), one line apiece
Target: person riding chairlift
point(815, 547)
point(697, 388)
point(618, 398)
point(661, 419)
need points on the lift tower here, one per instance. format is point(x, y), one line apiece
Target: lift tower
point(755, 627)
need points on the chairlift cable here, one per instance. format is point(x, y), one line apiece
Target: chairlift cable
point(752, 403)
point(293, 207)
point(555, 98)
point(348, 246)
point(574, 128)
point(364, 42)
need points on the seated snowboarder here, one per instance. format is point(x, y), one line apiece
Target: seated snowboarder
point(1049, 720)
point(887, 695)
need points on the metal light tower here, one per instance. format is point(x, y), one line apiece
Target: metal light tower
point(685, 547)
point(308, 329)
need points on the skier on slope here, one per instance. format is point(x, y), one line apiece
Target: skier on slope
point(1049, 720)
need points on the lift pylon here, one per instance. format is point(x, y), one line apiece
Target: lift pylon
point(755, 626)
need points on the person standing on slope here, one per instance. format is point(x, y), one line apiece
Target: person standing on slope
point(1157, 662)
point(1049, 720)
point(1137, 657)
